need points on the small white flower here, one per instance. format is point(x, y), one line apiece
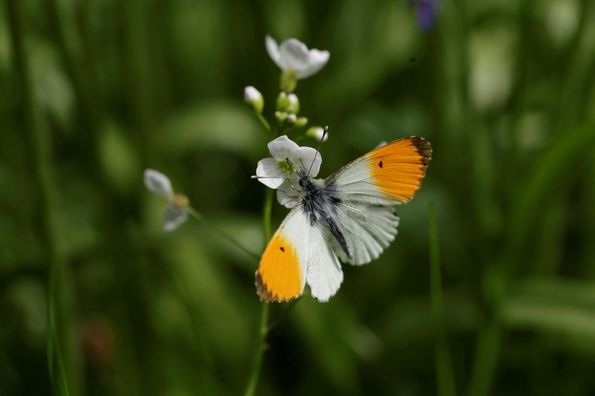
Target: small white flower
point(254, 98)
point(291, 118)
point(317, 133)
point(176, 211)
point(286, 157)
point(158, 183)
point(289, 194)
point(293, 56)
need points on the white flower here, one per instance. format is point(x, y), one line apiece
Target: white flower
point(293, 55)
point(254, 98)
point(287, 158)
point(176, 211)
point(289, 194)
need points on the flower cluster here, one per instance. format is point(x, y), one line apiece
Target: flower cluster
point(280, 171)
point(296, 62)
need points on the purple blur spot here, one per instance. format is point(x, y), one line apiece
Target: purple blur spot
point(426, 12)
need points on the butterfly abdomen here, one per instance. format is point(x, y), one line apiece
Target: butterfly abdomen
point(320, 206)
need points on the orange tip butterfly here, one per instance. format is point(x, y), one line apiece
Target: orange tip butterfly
point(348, 217)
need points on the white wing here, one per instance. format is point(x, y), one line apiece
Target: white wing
point(368, 229)
point(324, 269)
point(298, 252)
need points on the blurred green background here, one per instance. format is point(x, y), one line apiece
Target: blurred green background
point(94, 92)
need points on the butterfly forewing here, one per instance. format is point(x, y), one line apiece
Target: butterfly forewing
point(368, 189)
point(298, 252)
point(389, 174)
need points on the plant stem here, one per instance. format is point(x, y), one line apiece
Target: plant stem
point(264, 122)
point(40, 153)
point(197, 216)
point(283, 314)
point(266, 214)
point(444, 372)
point(262, 334)
point(264, 313)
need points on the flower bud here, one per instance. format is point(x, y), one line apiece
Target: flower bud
point(254, 98)
point(294, 103)
point(318, 133)
point(291, 118)
point(301, 122)
point(180, 201)
point(282, 101)
point(280, 116)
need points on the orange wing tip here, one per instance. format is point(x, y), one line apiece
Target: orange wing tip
point(424, 149)
point(261, 289)
point(279, 275)
point(265, 295)
point(398, 168)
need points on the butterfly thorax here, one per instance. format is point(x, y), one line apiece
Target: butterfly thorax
point(319, 203)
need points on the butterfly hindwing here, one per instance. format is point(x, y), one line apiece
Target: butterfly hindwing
point(324, 269)
point(296, 254)
point(368, 230)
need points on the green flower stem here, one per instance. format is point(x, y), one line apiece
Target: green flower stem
point(262, 335)
point(39, 145)
point(266, 214)
point(264, 313)
point(197, 216)
point(288, 81)
point(264, 122)
point(444, 371)
point(284, 314)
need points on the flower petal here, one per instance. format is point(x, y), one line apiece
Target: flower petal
point(294, 56)
point(282, 148)
point(268, 173)
point(289, 194)
point(173, 217)
point(317, 60)
point(158, 183)
point(273, 50)
point(308, 158)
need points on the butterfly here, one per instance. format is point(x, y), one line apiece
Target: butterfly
point(348, 217)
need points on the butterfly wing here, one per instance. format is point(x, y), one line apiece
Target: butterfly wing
point(298, 253)
point(368, 229)
point(369, 188)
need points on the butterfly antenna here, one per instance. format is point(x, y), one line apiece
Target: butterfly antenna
point(324, 133)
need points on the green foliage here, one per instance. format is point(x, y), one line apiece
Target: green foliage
point(96, 300)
